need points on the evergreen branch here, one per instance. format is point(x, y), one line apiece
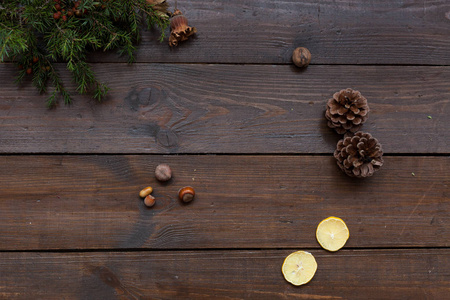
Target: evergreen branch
point(34, 34)
point(58, 89)
point(12, 41)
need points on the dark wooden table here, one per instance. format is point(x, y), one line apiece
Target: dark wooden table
point(237, 121)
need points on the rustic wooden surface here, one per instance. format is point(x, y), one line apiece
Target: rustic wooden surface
point(175, 108)
point(92, 202)
point(406, 32)
point(236, 120)
point(239, 274)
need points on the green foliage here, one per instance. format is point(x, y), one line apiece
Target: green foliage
point(35, 34)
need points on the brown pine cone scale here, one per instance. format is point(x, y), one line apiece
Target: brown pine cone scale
point(347, 111)
point(359, 155)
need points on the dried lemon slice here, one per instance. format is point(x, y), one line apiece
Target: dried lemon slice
point(332, 233)
point(299, 267)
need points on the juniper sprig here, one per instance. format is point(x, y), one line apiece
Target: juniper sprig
point(35, 34)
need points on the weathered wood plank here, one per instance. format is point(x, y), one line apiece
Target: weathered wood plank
point(171, 108)
point(91, 202)
point(336, 32)
point(370, 274)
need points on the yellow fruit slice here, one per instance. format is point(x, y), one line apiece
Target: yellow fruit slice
point(332, 233)
point(299, 267)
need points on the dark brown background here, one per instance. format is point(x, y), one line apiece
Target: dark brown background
point(236, 120)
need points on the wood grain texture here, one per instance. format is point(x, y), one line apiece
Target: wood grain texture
point(92, 202)
point(171, 108)
point(73, 227)
point(336, 32)
point(363, 274)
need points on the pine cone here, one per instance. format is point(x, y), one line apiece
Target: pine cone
point(359, 155)
point(347, 111)
point(180, 31)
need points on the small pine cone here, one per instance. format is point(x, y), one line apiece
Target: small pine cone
point(359, 155)
point(347, 111)
point(179, 29)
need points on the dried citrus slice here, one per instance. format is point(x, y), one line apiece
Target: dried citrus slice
point(332, 233)
point(299, 267)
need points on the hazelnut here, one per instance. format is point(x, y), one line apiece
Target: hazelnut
point(163, 172)
point(186, 194)
point(301, 57)
point(145, 192)
point(149, 201)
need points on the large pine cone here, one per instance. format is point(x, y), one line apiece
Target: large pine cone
point(347, 111)
point(359, 155)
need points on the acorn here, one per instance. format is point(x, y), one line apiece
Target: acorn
point(301, 57)
point(186, 194)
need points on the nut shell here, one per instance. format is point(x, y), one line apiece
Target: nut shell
point(163, 172)
point(186, 194)
point(145, 192)
point(301, 57)
point(149, 201)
